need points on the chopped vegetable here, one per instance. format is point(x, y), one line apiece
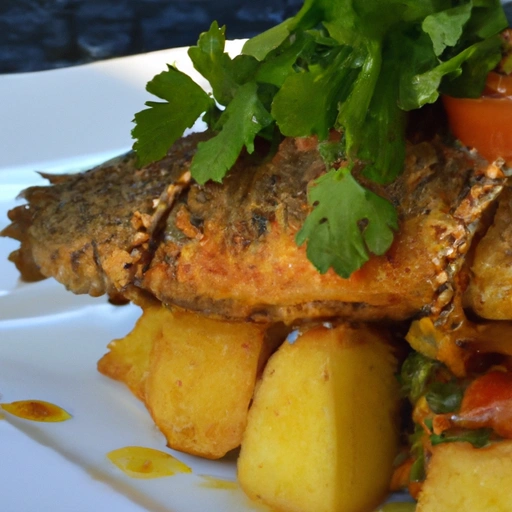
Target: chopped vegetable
point(478, 438)
point(416, 374)
point(355, 66)
point(444, 397)
point(485, 123)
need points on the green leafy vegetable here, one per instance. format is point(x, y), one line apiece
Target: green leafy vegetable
point(422, 376)
point(478, 438)
point(417, 473)
point(355, 66)
point(444, 397)
point(244, 117)
point(363, 222)
point(445, 27)
point(331, 151)
point(416, 374)
point(224, 74)
point(159, 126)
point(298, 108)
point(506, 48)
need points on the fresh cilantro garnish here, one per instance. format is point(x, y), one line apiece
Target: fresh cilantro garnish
point(479, 437)
point(417, 473)
point(242, 120)
point(159, 126)
point(416, 374)
point(347, 221)
point(356, 66)
point(444, 397)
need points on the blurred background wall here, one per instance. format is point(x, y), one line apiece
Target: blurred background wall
point(45, 34)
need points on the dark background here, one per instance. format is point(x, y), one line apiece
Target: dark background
point(46, 34)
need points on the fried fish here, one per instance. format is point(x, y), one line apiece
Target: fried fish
point(228, 250)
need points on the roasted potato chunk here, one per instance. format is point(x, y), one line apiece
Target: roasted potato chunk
point(322, 431)
point(128, 358)
point(201, 381)
point(195, 375)
point(465, 479)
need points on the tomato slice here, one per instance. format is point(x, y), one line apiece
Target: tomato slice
point(485, 123)
point(498, 85)
point(487, 402)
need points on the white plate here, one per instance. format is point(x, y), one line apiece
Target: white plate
point(50, 339)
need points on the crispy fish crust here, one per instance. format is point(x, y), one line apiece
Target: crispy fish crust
point(229, 250)
point(489, 291)
point(81, 229)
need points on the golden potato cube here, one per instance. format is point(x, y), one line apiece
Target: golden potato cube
point(128, 358)
point(201, 381)
point(465, 479)
point(322, 431)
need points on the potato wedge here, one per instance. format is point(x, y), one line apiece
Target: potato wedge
point(201, 381)
point(128, 358)
point(465, 479)
point(322, 430)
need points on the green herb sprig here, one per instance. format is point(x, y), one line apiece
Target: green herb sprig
point(356, 66)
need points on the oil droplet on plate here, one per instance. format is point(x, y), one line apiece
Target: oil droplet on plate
point(36, 410)
point(211, 482)
point(140, 462)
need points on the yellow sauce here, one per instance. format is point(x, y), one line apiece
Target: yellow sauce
point(36, 410)
point(211, 482)
point(140, 462)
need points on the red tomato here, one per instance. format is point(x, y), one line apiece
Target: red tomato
point(487, 402)
point(498, 85)
point(485, 123)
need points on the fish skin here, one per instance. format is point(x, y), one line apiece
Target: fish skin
point(228, 250)
point(489, 290)
point(80, 229)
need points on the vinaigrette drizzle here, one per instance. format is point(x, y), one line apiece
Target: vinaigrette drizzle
point(141, 462)
point(36, 410)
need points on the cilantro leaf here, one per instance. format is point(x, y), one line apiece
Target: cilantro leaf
point(487, 19)
point(346, 224)
point(262, 44)
point(443, 397)
point(469, 82)
point(382, 146)
point(417, 473)
point(243, 118)
point(445, 27)
point(316, 92)
point(355, 66)
point(415, 375)
point(479, 437)
point(331, 151)
point(159, 126)
point(460, 75)
point(210, 60)
point(224, 74)
point(280, 63)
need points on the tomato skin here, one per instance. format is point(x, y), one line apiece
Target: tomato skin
point(498, 85)
point(485, 123)
point(487, 402)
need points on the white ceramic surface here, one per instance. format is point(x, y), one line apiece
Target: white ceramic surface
point(50, 339)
